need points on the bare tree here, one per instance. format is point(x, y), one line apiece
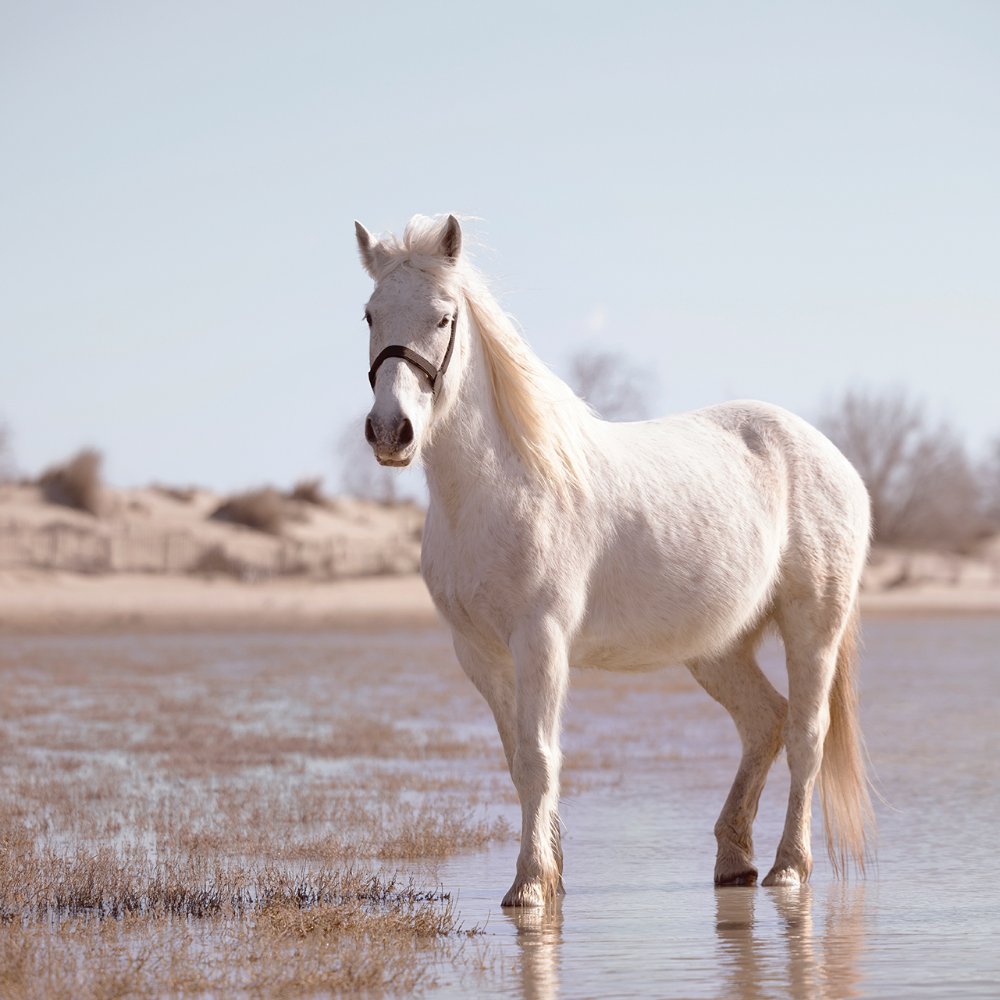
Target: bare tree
point(615, 387)
point(361, 476)
point(8, 468)
point(989, 478)
point(922, 484)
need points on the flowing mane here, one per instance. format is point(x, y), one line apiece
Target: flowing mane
point(544, 421)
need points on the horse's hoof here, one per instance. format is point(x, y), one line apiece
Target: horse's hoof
point(746, 877)
point(782, 877)
point(524, 894)
point(533, 892)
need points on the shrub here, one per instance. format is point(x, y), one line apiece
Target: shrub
point(262, 510)
point(77, 483)
point(217, 560)
point(309, 491)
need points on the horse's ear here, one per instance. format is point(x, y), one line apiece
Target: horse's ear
point(451, 240)
point(371, 250)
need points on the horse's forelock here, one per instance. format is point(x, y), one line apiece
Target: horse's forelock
point(419, 247)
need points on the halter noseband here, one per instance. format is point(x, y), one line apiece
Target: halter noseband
point(398, 351)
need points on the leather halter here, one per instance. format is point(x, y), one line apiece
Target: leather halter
point(418, 360)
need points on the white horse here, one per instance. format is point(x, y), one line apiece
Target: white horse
point(555, 539)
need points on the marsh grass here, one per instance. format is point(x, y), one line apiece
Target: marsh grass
point(256, 816)
point(244, 933)
point(239, 817)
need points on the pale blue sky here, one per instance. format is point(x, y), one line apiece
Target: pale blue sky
point(773, 200)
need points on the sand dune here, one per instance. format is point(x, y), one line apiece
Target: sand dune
point(155, 561)
point(171, 531)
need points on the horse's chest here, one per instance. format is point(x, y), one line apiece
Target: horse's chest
point(480, 580)
point(451, 576)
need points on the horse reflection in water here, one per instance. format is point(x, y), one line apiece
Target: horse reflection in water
point(538, 936)
point(555, 539)
point(788, 943)
point(801, 961)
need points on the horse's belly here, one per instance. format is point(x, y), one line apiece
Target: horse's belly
point(624, 658)
point(644, 614)
point(649, 645)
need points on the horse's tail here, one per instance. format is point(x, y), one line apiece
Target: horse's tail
point(843, 777)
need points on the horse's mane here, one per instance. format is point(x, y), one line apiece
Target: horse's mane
point(544, 421)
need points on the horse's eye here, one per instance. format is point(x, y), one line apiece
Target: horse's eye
point(368, 317)
point(444, 322)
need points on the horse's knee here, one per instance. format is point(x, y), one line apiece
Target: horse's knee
point(534, 770)
point(770, 731)
point(804, 737)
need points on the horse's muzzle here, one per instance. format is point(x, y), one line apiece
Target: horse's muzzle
point(391, 440)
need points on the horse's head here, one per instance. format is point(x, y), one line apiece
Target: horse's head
point(412, 316)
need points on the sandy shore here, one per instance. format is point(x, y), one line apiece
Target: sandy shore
point(33, 601)
point(932, 602)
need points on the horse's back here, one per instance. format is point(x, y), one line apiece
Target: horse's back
point(765, 458)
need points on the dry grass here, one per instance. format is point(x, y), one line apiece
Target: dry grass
point(199, 816)
point(114, 925)
point(266, 815)
point(76, 483)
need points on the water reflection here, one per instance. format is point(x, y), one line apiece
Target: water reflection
point(800, 961)
point(538, 935)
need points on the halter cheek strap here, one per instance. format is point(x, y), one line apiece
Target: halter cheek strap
point(417, 360)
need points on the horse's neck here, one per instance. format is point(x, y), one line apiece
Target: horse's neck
point(469, 453)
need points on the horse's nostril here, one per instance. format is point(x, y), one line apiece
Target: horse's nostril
point(369, 432)
point(404, 432)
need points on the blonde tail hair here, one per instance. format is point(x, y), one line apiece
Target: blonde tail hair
point(843, 778)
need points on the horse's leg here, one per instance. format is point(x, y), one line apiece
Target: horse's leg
point(541, 676)
point(811, 635)
point(494, 678)
point(736, 681)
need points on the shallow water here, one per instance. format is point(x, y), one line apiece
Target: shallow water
point(649, 760)
point(641, 917)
